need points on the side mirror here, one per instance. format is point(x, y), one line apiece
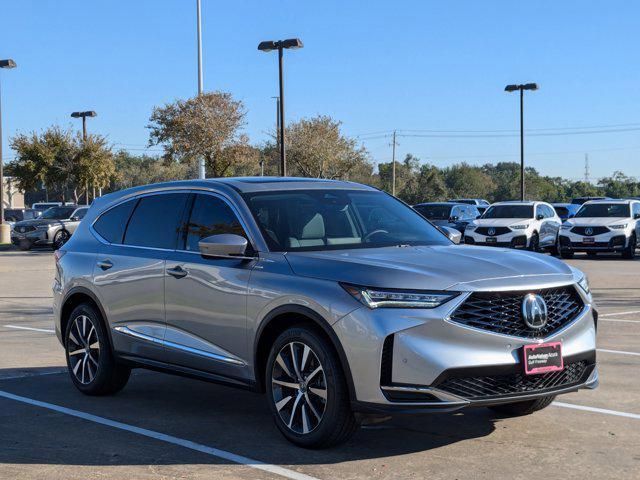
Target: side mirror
point(636, 215)
point(75, 219)
point(226, 245)
point(540, 216)
point(479, 216)
point(453, 218)
point(454, 235)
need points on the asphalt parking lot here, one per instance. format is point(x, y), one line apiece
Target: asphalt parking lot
point(161, 426)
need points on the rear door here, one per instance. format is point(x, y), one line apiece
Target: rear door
point(129, 275)
point(206, 298)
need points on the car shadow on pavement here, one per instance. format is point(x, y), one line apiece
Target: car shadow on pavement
point(233, 420)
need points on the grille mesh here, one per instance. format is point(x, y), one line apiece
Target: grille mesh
point(497, 230)
point(594, 230)
point(480, 388)
point(501, 312)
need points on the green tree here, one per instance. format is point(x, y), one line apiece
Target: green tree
point(133, 170)
point(619, 185)
point(464, 180)
point(207, 126)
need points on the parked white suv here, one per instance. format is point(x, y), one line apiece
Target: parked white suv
point(602, 226)
point(531, 225)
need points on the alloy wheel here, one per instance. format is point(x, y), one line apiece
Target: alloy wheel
point(83, 349)
point(299, 387)
point(60, 239)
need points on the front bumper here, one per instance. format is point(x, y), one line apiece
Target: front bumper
point(431, 354)
point(605, 242)
point(35, 237)
point(513, 239)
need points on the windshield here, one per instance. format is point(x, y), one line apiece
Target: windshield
point(509, 211)
point(434, 212)
point(58, 213)
point(338, 219)
point(581, 200)
point(604, 210)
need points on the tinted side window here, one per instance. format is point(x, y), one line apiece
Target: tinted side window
point(210, 216)
point(111, 224)
point(80, 213)
point(155, 221)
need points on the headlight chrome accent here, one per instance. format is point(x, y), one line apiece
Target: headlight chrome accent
point(470, 227)
point(619, 227)
point(391, 298)
point(584, 284)
point(519, 227)
point(564, 226)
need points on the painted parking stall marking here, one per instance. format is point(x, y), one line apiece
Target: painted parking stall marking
point(33, 329)
point(198, 447)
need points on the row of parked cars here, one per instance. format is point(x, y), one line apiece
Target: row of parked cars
point(44, 224)
point(587, 224)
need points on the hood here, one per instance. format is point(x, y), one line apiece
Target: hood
point(35, 222)
point(500, 222)
point(461, 267)
point(597, 221)
point(441, 223)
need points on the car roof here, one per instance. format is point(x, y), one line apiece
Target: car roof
point(517, 202)
point(445, 204)
point(624, 201)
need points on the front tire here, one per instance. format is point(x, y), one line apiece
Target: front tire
point(534, 243)
point(630, 252)
point(90, 361)
point(60, 238)
point(519, 409)
point(307, 390)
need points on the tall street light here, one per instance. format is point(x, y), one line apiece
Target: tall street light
point(201, 166)
point(5, 231)
point(521, 88)
point(84, 115)
point(281, 45)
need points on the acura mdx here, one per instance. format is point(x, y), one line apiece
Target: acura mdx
point(335, 299)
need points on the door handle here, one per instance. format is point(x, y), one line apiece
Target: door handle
point(177, 272)
point(105, 264)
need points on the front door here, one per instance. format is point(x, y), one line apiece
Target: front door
point(206, 298)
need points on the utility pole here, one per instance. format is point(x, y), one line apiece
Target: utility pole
point(393, 165)
point(5, 230)
point(201, 165)
point(84, 115)
point(586, 168)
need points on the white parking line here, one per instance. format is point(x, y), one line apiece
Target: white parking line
point(30, 375)
point(45, 330)
point(630, 312)
point(597, 410)
point(621, 352)
point(232, 457)
point(617, 320)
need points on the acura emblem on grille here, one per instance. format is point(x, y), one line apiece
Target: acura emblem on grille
point(534, 311)
point(491, 231)
point(588, 231)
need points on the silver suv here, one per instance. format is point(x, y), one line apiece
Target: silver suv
point(335, 299)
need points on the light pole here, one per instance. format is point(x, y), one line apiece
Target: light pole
point(201, 165)
point(84, 115)
point(281, 45)
point(521, 88)
point(5, 231)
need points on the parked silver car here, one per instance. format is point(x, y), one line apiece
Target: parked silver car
point(335, 299)
point(54, 227)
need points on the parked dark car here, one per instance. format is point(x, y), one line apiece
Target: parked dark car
point(448, 214)
point(581, 200)
point(566, 210)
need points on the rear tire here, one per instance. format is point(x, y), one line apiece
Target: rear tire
point(630, 252)
point(311, 410)
point(90, 361)
point(523, 408)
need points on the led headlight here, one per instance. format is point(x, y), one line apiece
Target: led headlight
point(470, 227)
point(619, 227)
point(565, 226)
point(389, 298)
point(584, 284)
point(519, 227)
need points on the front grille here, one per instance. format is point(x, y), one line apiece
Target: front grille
point(486, 387)
point(501, 312)
point(495, 230)
point(593, 230)
point(25, 229)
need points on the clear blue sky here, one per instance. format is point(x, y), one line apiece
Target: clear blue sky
point(376, 66)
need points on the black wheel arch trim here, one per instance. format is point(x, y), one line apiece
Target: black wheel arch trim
point(320, 322)
point(94, 298)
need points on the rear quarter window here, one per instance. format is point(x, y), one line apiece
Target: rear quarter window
point(111, 224)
